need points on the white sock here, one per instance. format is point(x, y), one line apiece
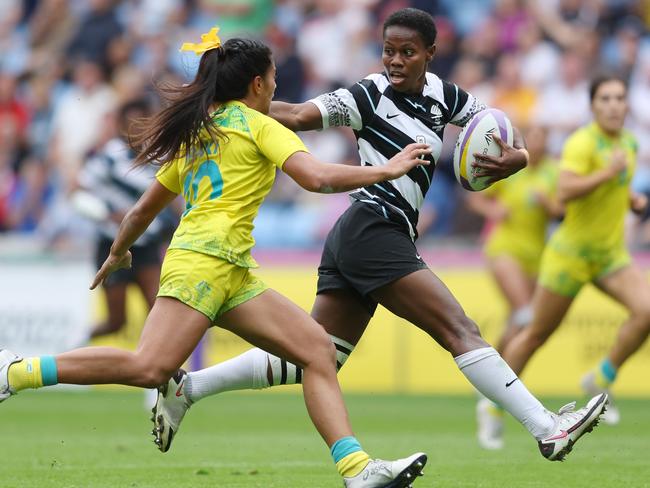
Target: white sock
point(249, 371)
point(244, 372)
point(489, 373)
point(286, 373)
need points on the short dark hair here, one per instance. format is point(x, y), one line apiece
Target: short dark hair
point(132, 112)
point(415, 19)
point(600, 79)
point(141, 105)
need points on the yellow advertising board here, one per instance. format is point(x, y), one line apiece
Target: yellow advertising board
point(394, 356)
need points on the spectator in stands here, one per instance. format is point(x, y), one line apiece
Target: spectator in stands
point(568, 90)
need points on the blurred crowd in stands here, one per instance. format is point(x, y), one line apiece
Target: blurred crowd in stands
point(66, 66)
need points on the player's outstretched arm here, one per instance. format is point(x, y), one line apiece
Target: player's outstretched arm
point(297, 116)
point(316, 176)
point(135, 222)
point(572, 185)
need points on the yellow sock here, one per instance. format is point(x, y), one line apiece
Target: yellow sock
point(352, 464)
point(25, 374)
point(601, 380)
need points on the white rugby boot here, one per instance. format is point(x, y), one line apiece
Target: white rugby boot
point(571, 425)
point(389, 474)
point(612, 415)
point(489, 421)
point(7, 358)
point(170, 408)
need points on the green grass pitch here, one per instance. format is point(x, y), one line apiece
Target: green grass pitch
point(96, 439)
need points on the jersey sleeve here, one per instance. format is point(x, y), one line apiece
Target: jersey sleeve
point(577, 154)
point(349, 107)
point(277, 143)
point(462, 105)
point(168, 177)
point(94, 172)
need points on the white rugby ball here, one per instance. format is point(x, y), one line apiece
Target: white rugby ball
point(476, 137)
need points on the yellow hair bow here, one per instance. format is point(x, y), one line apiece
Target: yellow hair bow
point(208, 41)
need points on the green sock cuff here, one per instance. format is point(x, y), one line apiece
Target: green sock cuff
point(48, 371)
point(344, 447)
point(608, 370)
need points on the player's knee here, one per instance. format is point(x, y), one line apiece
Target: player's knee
point(323, 352)
point(534, 339)
point(641, 315)
point(459, 334)
point(151, 374)
point(156, 377)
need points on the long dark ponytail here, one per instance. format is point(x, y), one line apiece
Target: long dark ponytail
point(224, 74)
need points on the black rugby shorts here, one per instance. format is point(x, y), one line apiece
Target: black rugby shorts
point(364, 251)
point(142, 256)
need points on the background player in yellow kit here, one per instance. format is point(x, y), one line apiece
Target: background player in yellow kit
point(598, 162)
point(518, 209)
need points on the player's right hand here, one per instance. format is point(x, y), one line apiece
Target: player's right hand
point(618, 162)
point(113, 263)
point(407, 159)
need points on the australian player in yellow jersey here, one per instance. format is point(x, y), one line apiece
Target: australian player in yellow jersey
point(518, 211)
point(215, 146)
point(597, 165)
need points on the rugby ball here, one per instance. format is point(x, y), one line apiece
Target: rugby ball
point(476, 137)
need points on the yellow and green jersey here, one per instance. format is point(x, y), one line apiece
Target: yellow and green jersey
point(594, 223)
point(224, 182)
point(523, 233)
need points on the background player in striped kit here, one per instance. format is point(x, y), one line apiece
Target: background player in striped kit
point(370, 256)
point(109, 176)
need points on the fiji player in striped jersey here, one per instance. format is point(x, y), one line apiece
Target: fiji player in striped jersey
point(370, 255)
point(108, 175)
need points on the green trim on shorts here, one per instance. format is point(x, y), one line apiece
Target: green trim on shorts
point(183, 297)
point(257, 288)
point(566, 292)
point(614, 267)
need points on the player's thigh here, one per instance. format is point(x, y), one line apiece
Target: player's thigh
point(146, 270)
point(629, 286)
point(275, 324)
point(116, 303)
point(513, 281)
point(148, 280)
point(342, 314)
point(170, 334)
point(424, 300)
point(549, 309)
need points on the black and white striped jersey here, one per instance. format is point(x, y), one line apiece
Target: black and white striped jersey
point(385, 121)
point(110, 176)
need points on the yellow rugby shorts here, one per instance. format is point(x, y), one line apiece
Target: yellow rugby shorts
point(207, 283)
point(526, 258)
point(565, 272)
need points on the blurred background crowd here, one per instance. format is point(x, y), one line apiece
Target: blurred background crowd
point(67, 66)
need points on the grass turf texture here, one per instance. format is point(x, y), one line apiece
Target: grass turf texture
point(100, 439)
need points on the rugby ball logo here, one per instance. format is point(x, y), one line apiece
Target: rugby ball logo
point(478, 137)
